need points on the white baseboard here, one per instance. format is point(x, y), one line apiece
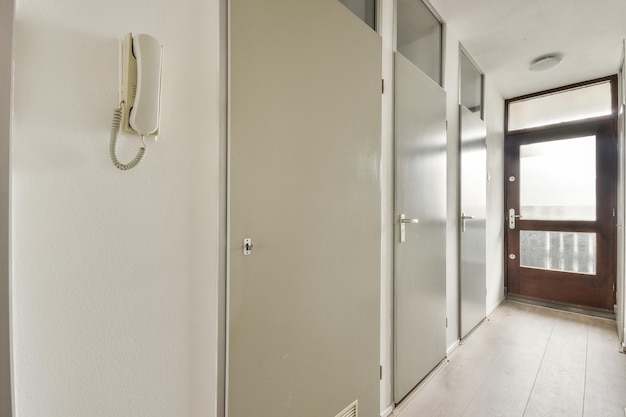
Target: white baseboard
point(452, 347)
point(495, 307)
point(387, 411)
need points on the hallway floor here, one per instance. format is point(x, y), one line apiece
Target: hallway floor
point(528, 361)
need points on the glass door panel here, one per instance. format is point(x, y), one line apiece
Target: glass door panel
point(558, 180)
point(558, 251)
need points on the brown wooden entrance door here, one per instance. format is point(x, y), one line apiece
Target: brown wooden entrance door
point(560, 208)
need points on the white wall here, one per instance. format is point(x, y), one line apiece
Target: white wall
point(494, 119)
point(6, 40)
point(114, 273)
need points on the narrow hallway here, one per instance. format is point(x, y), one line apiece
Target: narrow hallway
point(532, 362)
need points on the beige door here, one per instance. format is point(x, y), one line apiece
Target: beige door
point(304, 304)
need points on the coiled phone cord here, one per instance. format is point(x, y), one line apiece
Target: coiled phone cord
point(115, 130)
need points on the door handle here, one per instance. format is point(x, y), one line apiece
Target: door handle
point(512, 217)
point(403, 222)
point(409, 221)
point(463, 218)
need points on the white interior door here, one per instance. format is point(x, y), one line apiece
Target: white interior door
point(305, 143)
point(473, 220)
point(420, 238)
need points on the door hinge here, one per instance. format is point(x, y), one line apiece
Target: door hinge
point(614, 212)
point(381, 372)
point(383, 86)
point(446, 125)
point(446, 322)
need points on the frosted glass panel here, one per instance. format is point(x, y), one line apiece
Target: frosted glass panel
point(558, 180)
point(558, 251)
point(419, 37)
point(364, 9)
point(471, 85)
point(569, 105)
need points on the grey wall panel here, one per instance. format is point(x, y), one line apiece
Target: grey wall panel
point(304, 306)
point(420, 192)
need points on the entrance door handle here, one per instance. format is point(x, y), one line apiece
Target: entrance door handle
point(512, 217)
point(463, 218)
point(403, 222)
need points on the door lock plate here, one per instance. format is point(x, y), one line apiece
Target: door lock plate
point(403, 222)
point(512, 217)
point(247, 246)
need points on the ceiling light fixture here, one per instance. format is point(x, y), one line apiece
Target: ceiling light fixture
point(544, 63)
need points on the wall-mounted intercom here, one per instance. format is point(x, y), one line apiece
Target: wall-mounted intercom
point(141, 94)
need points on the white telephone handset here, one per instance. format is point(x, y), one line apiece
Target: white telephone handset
point(141, 93)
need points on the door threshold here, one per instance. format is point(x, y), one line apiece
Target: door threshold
point(563, 307)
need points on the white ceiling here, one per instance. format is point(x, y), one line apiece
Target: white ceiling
point(504, 36)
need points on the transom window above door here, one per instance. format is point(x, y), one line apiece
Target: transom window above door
point(470, 85)
point(419, 37)
point(363, 9)
point(578, 103)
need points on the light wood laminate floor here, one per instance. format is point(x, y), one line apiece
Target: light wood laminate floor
point(527, 361)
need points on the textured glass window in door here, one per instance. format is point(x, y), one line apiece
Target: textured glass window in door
point(558, 180)
point(558, 251)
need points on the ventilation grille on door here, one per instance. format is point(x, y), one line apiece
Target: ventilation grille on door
point(351, 411)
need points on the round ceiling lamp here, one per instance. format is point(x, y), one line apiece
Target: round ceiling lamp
point(544, 63)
